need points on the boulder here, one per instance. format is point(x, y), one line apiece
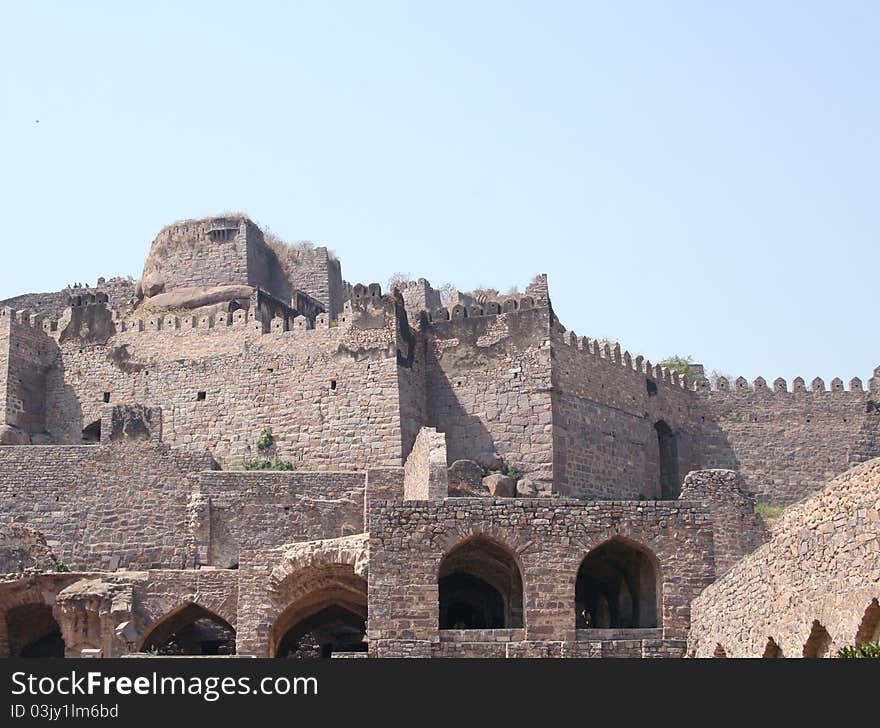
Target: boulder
point(465, 474)
point(525, 488)
point(500, 486)
point(491, 462)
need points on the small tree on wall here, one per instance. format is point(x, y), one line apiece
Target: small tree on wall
point(684, 365)
point(268, 459)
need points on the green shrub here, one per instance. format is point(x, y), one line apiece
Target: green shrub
point(266, 464)
point(684, 365)
point(768, 511)
point(265, 441)
point(867, 650)
point(61, 566)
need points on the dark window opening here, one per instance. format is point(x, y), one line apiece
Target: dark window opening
point(667, 442)
point(480, 587)
point(332, 384)
point(106, 397)
point(91, 435)
point(201, 396)
point(652, 387)
point(616, 588)
point(191, 630)
point(33, 632)
point(819, 641)
point(772, 649)
point(333, 629)
point(869, 628)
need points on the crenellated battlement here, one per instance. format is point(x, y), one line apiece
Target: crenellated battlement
point(490, 308)
point(614, 356)
point(779, 386)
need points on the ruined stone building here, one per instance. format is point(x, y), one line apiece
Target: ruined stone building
point(242, 453)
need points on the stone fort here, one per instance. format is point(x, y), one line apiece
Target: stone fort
point(243, 453)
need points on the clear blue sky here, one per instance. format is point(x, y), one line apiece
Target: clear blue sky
point(695, 178)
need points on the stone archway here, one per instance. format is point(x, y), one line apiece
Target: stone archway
point(326, 612)
point(190, 630)
point(480, 586)
point(617, 587)
point(32, 631)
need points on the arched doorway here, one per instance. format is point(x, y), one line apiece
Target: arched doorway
point(480, 587)
point(190, 630)
point(328, 616)
point(667, 443)
point(617, 587)
point(32, 631)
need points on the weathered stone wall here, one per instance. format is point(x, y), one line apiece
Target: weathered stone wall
point(489, 389)
point(122, 503)
point(329, 395)
point(425, 475)
point(547, 539)
point(605, 408)
point(736, 529)
point(255, 510)
point(209, 252)
point(419, 296)
point(26, 352)
point(319, 274)
point(119, 291)
point(821, 566)
point(784, 444)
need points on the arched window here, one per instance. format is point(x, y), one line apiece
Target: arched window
point(667, 443)
point(330, 617)
point(616, 587)
point(33, 632)
point(480, 587)
point(819, 641)
point(869, 629)
point(190, 630)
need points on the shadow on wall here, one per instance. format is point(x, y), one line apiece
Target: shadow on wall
point(65, 421)
point(466, 435)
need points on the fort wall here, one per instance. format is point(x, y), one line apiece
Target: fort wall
point(26, 353)
point(607, 407)
point(786, 443)
point(811, 589)
point(488, 382)
point(102, 507)
point(329, 394)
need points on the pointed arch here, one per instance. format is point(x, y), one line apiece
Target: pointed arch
point(667, 445)
point(32, 631)
point(869, 627)
point(326, 612)
point(772, 649)
point(480, 586)
point(719, 651)
point(189, 629)
point(618, 586)
point(819, 642)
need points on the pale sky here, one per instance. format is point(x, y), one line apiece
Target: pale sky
point(695, 178)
